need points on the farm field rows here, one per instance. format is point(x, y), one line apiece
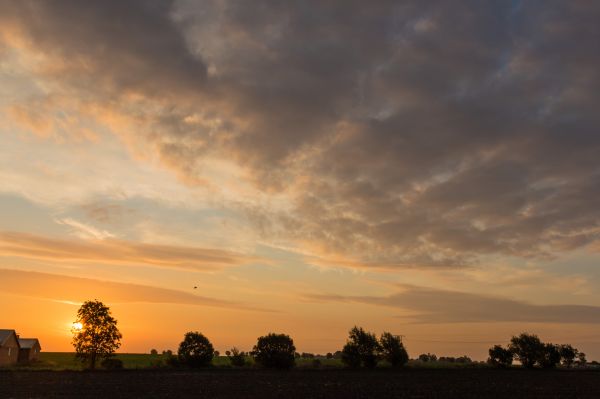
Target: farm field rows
point(329, 383)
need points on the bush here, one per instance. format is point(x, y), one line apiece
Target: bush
point(173, 362)
point(236, 357)
point(392, 350)
point(112, 364)
point(500, 357)
point(361, 349)
point(195, 350)
point(528, 349)
point(274, 351)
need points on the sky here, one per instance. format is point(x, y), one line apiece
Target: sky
point(431, 169)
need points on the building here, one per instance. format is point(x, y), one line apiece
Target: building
point(9, 348)
point(29, 349)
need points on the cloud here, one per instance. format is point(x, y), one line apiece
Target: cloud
point(77, 290)
point(113, 251)
point(433, 306)
point(122, 44)
point(403, 134)
point(85, 231)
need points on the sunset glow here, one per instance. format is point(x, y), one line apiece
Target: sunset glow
point(239, 168)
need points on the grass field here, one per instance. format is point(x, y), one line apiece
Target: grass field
point(67, 361)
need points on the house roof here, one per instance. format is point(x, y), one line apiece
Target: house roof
point(5, 334)
point(28, 343)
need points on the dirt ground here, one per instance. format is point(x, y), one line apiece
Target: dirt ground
point(223, 383)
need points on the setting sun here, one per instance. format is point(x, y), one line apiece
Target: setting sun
point(77, 326)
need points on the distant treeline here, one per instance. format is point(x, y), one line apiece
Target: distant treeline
point(95, 337)
point(365, 350)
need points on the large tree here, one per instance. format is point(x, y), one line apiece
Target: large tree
point(392, 349)
point(195, 350)
point(274, 351)
point(95, 333)
point(361, 349)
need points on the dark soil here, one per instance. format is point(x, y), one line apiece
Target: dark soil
point(223, 383)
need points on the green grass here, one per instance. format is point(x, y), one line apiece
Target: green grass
point(67, 361)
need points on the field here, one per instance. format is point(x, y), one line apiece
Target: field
point(66, 361)
point(326, 383)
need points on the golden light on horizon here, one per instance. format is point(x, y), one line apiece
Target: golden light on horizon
point(76, 326)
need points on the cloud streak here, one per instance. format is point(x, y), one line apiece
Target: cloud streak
point(113, 251)
point(76, 290)
point(433, 306)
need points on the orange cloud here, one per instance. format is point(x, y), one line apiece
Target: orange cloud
point(74, 289)
point(113, 251)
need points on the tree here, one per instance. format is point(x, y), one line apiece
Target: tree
point(581, 360)
point(236, 357)
point(392, 350)
point(428, 357)
point(361, 349)
point(95, 333)
point(527, 348)
point(500, 357)
point(550, 356)
point(153, 352)
point(568, 354)
point(274, 351)
point(195, 350)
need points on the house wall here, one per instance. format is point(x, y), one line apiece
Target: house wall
point(34, 353)
point(9, 352)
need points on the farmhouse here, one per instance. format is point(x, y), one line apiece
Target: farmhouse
point(29, 349)
point(9, 348)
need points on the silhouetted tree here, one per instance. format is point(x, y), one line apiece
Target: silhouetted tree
point(428, 357)
point(153, 352)
point(195, 350)
point(392, 349)
point(568, 355)
point(550, 356)
point(361, 349)
point(236, 357)
point(98, 337)
point(168, 352)
point(329, 355)
point(581, 360)
point(527, 348)
point(500, 357)
point(274, 351)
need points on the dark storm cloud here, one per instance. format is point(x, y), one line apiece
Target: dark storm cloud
point(407, 133)
point(125, 44)
point(428, 305)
